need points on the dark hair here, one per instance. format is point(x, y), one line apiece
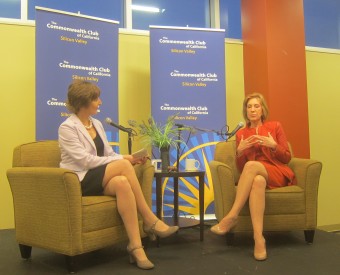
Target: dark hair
point(80, 94)
point(263, 103)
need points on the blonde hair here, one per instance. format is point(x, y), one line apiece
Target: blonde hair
point(81, 94)
point(263, 103)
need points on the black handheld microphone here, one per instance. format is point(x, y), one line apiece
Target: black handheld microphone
point(110, 122)
point(238, 127)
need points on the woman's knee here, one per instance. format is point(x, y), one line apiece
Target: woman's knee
point(115, 169)
point(126, 162)
point(259, 183)
point(119, 184)
point(121, 164)
point(252, 166)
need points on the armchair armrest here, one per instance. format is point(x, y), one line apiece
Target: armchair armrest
point(47, 205)
point(307, 173)
point(145, 174)
point(223, 180)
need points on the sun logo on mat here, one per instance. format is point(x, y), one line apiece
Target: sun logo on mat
point(202, 149)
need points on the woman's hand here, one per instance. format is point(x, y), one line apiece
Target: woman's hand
point(256, 139)
point(267, 141)
point(135, 161)
point(246, 143)
point(141, 160)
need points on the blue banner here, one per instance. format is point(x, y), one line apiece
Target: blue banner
point(69, 47)
point(188, 80)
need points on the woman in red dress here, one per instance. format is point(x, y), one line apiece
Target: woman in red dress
point(262, 156)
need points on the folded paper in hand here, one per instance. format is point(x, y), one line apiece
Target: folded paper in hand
point(140, 153)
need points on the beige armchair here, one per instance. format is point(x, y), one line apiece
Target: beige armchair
point(287, 208)
point(50, 211)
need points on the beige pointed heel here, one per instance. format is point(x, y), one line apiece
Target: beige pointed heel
point(152, 232)
point(216, 229)
point(260, 256)
point(145, 264)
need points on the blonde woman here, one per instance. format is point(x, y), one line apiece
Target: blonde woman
point(262, 157)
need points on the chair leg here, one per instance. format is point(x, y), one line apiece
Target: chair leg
point(145, 242)
point(229, 238)
point(25, 251)
point(71, 264)
point(309, 236)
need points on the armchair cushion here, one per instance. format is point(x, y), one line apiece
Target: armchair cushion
point(98, 213)
point(282, 201)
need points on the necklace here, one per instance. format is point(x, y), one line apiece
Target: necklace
point(90, 126)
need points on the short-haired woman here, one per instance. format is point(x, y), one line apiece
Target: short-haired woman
point(85, 150)
point(262, 156)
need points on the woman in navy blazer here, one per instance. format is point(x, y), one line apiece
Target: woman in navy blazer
point(85, 150)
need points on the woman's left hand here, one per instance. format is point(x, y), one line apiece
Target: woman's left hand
point(135, 161)
point(267, 141)
point(141, 160)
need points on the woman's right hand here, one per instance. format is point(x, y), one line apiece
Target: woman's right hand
point(130, 158)
point(135, 161)
point(245, 144)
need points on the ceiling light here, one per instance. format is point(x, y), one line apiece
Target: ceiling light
point(145, 8)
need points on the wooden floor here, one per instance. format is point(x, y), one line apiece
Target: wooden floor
point(183, 253)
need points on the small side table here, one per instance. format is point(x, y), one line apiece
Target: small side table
point(183, 222)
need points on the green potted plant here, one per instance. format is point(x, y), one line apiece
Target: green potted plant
point(161, 136)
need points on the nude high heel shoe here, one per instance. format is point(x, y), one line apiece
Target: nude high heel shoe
point(260, 256)
point(152, 232)
point(216, 229)
point(145, 264)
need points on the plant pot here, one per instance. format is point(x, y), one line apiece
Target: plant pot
point(165, 157)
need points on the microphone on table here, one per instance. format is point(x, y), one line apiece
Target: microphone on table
point(120, 127)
